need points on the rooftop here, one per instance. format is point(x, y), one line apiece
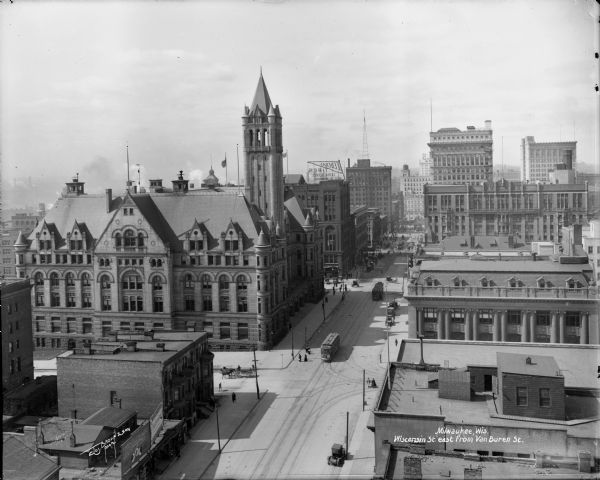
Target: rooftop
point(109, 417)
point(20, 462)
point(577, 363)
point(524, 364)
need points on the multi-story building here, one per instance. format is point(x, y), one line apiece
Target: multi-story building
point(331, 199)
point(209, 259)
point(462, 157)
point(137, 372)
point(511, 300)
point(360, 217)
point(17, 347)
point(371, 186)
point(538, 159)
point(20, 221)
point(411, 187)
point(530, 212)
point(591, 246)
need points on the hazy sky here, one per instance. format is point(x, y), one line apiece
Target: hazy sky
point(170, 79)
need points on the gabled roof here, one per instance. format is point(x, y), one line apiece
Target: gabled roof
point(88, 208)
point(20, 462)
point(156, 220)
point(261, 97)
point(296, 217)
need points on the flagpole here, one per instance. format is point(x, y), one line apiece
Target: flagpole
point(225, 168)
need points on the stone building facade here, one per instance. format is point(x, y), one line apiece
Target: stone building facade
point(371, 186)
point(178, 258)
point(538, 159)
point(530, 212)
point(510, 301)
point(462, 157)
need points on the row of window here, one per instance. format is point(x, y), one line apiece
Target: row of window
point(544, 399)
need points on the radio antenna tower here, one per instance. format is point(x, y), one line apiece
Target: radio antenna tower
point(365, 152)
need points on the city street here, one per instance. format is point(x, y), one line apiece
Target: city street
point(302, 411)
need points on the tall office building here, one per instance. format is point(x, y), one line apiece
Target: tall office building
point(462, 157)
point(538, 159)
point(371, 186)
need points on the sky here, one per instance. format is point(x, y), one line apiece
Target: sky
point(82, 80)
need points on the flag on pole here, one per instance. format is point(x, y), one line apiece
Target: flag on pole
point(224, 162)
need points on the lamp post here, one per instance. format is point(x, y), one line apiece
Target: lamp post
point(388, 362)
point(256, 374)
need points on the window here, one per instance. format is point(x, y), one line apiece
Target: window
point(70, 325)
point(190, 304)
point(225, 330)
point(157, 294)
point(242, 294)
point(522, 396)
point(208, 328)
point(223, 294)
point(105, 293)
point(129, 239)
point(545, 397)
point(86, 325)
point(55, 325)
point(188, 281)
point(242, 331)
point(54, 280)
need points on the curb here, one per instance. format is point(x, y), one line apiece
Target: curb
point(231, 436)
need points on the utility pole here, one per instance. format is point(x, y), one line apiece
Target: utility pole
point(363, 403)
point(292, 342)
point(347, 439)
point(218, 432)
point(388, 365)
point(256, 374)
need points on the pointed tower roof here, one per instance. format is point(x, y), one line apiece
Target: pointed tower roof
point(262, 241)
point(20, 240)
point(309, 221)
point(261, 96)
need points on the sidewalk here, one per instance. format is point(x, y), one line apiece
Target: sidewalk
point(201, 450)
point(305, 322)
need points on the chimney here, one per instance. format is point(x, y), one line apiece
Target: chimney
point(488, 124)
point(108, 199)
point(348, 163)
point(72, 439)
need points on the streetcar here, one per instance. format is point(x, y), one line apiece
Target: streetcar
point(377, 292)
point(329, 346)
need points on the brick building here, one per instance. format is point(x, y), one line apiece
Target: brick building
point(17, 346)
point(462, 157)
point(212, 259)
point(510, 300)
point(530, 386)
point(530, 212)
point(20, 222)
point(137, 372)
point(411, 186)
point(331, 199)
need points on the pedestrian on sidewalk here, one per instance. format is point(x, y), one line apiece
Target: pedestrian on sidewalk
point(233, 397)
point(219, 386)
point(396, 341)
point(305, 359)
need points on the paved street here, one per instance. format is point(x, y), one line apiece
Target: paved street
point(303, 405)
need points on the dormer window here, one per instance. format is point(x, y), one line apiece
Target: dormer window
point(541, 283)
point(456, 281)
point(484, 282)
point(429, 281)
point(513, 283)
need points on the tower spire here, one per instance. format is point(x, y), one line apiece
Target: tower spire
point(365, 152)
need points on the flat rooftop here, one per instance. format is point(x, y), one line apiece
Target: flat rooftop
point(524, 364)
point(577, 363)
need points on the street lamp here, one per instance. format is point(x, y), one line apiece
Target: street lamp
point(388, 363)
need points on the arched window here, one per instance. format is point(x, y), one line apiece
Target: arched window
point(118, 242)
point(242, 294)
point(188, 281)
point(70, 278)
point(140, 241)
point(39, 290)
point(223, 293)
point(132, 288)
point(153, 262)
point(251, 137)
point(101, 262)
point(54, 290)
point(129, 240)
point(86, 291)
point(206, 293)
point(157, 294)
point(105, 293)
